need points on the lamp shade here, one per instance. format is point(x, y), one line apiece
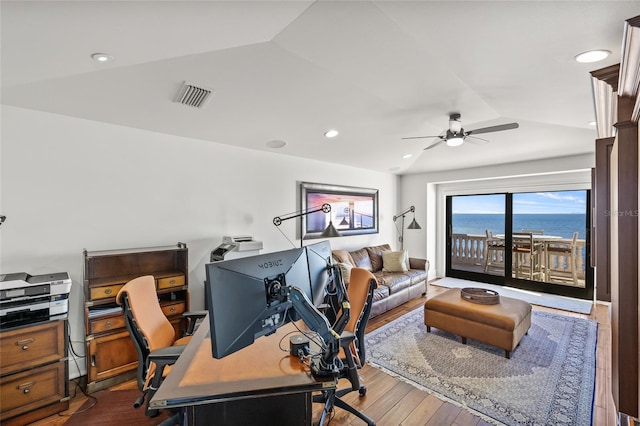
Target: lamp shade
point(414, 224)
point(330, 231)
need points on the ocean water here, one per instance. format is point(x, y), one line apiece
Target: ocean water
point(563, 225)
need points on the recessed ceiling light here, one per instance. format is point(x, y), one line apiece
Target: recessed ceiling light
point(331, 133)
point(102, 57)
point(592, 56)
point(407, 156)
point(276, 144)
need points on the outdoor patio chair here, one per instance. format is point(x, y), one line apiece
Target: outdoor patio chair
point(493, 253)
point(527, 256)
point(563, 254)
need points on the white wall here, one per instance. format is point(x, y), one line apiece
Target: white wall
point(69, 184)
point(428, 192)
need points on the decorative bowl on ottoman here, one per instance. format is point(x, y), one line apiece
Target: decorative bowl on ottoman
point(480, 295)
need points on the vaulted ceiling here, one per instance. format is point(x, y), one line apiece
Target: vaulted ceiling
point(377, 71)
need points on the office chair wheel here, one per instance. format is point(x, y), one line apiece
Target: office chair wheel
point(362, 391)
point(139, 401)
point(152, 413)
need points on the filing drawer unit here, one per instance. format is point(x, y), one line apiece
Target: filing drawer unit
point(111, 355)
point(33, 372)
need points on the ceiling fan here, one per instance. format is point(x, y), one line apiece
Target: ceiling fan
point(456, 135)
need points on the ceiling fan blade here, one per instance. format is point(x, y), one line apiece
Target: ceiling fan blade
point(435, 144)
point(422, 137)
point(471, 138)
point(497, 128)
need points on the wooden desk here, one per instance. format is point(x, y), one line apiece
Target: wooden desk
point(260, 384)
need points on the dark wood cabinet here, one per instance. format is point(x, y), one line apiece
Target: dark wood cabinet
point(111, 355)
point(33, 372)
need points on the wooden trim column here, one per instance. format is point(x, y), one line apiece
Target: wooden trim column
point(625, 374)
point(601, 217)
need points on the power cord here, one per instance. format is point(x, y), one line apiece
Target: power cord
point(77, 381)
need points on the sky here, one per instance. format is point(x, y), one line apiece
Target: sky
point(557, 202)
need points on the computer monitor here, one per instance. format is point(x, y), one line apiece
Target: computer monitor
point(319, 259)
point(244, 300)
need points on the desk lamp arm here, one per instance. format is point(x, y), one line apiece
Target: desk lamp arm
point(277, 221)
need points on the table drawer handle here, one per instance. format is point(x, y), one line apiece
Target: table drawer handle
point(172, 309)
point(25, 387)
point(109, 324)
point(25, 343)
point(108, 291)
point(172, 282)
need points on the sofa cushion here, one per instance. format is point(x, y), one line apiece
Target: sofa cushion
point(417, 275)
point(361, 259)
point(381, 292)
point(375, 256)
point(395, 261)
point(345, 269)
point(342, 256)
point(394, 281)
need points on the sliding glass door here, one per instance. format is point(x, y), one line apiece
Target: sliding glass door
point(553, 228)
point(537, 241)
point(473, 223)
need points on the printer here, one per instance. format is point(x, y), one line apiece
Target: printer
point(26, 299)
point(234, 247)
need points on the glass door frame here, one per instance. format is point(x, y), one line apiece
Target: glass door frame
point(586, 293)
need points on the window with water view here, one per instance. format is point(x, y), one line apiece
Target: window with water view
point(545, 242)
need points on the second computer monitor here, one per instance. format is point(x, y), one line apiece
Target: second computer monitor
point(319, 259)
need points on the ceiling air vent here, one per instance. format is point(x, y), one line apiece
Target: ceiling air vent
point(194, 96)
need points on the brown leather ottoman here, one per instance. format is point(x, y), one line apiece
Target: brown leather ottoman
point(501, 325)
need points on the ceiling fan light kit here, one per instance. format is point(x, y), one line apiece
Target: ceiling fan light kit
point(455, 140)
point(456, 135)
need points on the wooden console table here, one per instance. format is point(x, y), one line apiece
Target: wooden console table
point(261, 384)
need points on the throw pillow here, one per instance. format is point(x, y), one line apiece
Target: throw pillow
point(342, 256)
point(345, 269)
point(361, 259)
point(395, 261)
point(375, 255)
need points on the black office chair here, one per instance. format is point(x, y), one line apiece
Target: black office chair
point(153, 335)
point(360, 293)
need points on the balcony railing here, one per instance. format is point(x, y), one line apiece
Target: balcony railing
point(469, 252)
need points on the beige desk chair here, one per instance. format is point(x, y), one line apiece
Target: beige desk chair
point(153, 335)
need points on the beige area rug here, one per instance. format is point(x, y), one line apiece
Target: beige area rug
point(535, 298)
point(549, 380)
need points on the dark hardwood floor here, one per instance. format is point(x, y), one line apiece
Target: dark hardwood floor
point(393, 402)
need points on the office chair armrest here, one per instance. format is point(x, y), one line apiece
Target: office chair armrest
point(163, 357)
point(346, 338)
point(192, 319)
